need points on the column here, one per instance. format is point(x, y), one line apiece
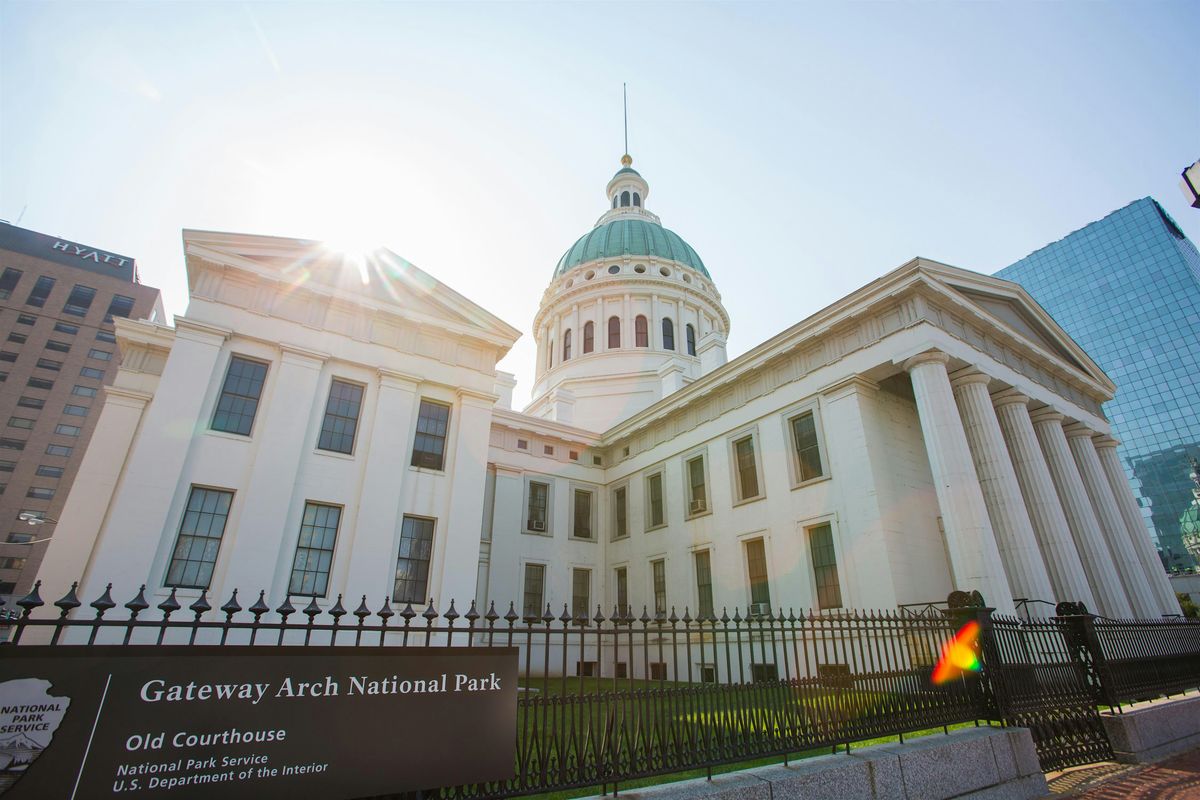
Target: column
point(1085, 528)
point(1156, 576)
point(1041, 501)
point(626, 322)
point(1017, 543)
point(974, 556)
point(1129, 569)
point(454, 572)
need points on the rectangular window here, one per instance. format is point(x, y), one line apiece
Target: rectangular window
point(39, 293)
point(535, 578)
point(59, 450)
point(59, 347)
point(40, 493)
point(539, 495)
point(19, 538)
point(341, 417)
point(200, 533)
point(7, 466)
point(7, 587)
point(412, 562)
point(8, 282)
point(75, 411)
point(12, 562)
point(239, 396)
point(66, 327)
point(581, 593)
point(79, 300)
point(704, 591)
point(620, 513)
point(747, 470)
point(21, 422)
point(19, 338)
point(99, 355)
point(11, 444)
point(314, 550)
point(808, 453)
point(824, 561)
point(31, 402)
point(26, 319)
point(105, 336)
point(654, 501)
point(429, 445)
point(49, 363)
point(756, 563)
point(39, 383)
point(8, 355)
point(119, 306)
point(621, 574)
point(697, 491)
point(45, 471)
point(583, 514)
point(92, 372)
point(83, 391)
point(658, 574)
point(66, 430)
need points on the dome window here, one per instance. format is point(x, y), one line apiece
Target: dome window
point(614, 201)
point(624, 199)
point(637, 199)
point(640, 269)
point(550, 355)
point(614, 269)
point(567, 345)
point(570, 283)
point(666, 273)
point(614, 333)
point(668, 328)
point(641, 332)
point(690, 332)
point(591, 273)
point(589, 337)
point(687, 278)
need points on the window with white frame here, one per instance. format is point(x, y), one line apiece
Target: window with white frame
point(314, 550)
point(537, 507)
point(824, 562)
point(756, 565)
point(704, 588)
point(412, 560)
point(533, 600)
point(745, 468)
point(620, 512)
point(581, 592)
point(199, 539)
point(429, 444)
point(806, 447)
point(581, 513)
point(658, 581)
point(621, 579)
point(697, 485)
point(656, 513)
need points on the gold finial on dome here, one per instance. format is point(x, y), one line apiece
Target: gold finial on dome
point(626, 160)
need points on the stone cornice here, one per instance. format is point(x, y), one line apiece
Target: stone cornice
point(1009, 397)
point(514, 420)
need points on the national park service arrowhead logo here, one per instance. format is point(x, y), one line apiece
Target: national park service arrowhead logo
point(29, 716)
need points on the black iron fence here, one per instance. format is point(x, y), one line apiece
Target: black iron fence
point(611, 698)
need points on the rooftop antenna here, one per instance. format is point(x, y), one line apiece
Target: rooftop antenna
point(626, 159)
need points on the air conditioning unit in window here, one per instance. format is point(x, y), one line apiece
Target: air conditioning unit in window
point(696, 506)
point(537, 525)
point(760, 609)
point(427, 460)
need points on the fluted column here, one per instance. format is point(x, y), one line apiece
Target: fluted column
point(1085, 528)
point(1129, 568)
point(1015, 539)
point(974, 556)
point(1156, 576)
point(1041, 501)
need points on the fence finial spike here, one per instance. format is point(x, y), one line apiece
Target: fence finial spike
point(260, 606)
point(472, 614)
point(138, 604)
point(386, 612)
point(512, 615)
point(338, 610)
point(70, 600)
point(170, 605)
point(102, 603)
point(33, 600)
point(362, 612)
point(232, 606)
point(201, 605)
point(451, 614)
point(312, 609)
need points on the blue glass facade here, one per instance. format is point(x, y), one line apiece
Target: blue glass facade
point(1127, 289)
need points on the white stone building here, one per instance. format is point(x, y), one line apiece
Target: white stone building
point(310, 430)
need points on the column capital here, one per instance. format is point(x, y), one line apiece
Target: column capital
point(928, 357)
point(1078, 429)
point(1008, 397)
point(967, 376)
point(1045, 414)
point(1101, 440)
point(398, 380)
point(301, 356)
point(470, 397)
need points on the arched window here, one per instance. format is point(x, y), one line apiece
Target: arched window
point(637, 199)
point(614, 201)
point(641, 332)
point(614, 333)
point(691, 339)
point(567, 345)
point(624, 198)
point(550, 355)
point(668, 334)
point(589, 337)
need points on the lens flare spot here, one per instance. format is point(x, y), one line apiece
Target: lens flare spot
point(959, 656)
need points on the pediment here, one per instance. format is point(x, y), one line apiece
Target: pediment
point(381, 279)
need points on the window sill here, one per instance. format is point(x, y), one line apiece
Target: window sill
point(749, 500)
point(426, 470)
point(233, 437)
point(698, 515)
point(624, 538)
point(334, 454)
point(543, 534)
point(659, 527)
point(811, 481)
point(588, 539)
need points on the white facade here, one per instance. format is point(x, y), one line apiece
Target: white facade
point(934, 430)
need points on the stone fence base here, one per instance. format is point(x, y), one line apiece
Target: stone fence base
point(967, 764)
point(1149, 731)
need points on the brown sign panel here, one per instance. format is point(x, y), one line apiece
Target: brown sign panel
point(252, 722)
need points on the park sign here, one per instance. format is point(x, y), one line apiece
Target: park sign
point(252, 722)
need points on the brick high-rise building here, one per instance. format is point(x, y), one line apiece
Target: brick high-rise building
point(58, 299)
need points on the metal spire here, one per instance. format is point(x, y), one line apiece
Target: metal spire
point(625, 103)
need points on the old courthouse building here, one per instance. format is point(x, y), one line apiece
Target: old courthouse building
point(306, 432)
point(58, 303)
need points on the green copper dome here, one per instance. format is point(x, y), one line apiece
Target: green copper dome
point(632, 237)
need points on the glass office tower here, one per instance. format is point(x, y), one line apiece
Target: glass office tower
point(1127, 289)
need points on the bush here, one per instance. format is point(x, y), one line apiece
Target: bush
point(1189, 608)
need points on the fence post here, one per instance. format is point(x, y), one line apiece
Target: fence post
point(1079, 629)
point(963, 608)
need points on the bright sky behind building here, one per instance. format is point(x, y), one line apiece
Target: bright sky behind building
point(802, 149)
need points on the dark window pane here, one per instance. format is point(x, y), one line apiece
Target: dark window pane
point(26, 319)
point(658, 571)
point(581, 588)
point(60, 347)
point(704, 584)
point(614, 333)
point(63, 327)
point(8, 282)
point(747, 470)
point(589, 337)
point(92, 372)
point(59, 450)
point(41, 290)
point(412, 562)
point(31, 402)
point(40, 383)
point(583, 514)
point(808, 454)
point(341, 417)
point(239, 396)
point(655, 499)
point(49, 472)
point(535, 580)
point(539, 494)
point(199, 540)
point(756, 560)
point(620, 513)
point(79, 301)
point(314, 550)
point(120, 306)
point(19, 338)
point(824, 560)
point(641, 332)
point(567, 346)
point(50, 364)
point(691, 340)
point(668, 334)
point(429, 445)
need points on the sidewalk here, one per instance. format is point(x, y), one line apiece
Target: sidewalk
point(1173, 778)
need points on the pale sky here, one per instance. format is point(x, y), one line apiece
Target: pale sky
point(803, 149)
